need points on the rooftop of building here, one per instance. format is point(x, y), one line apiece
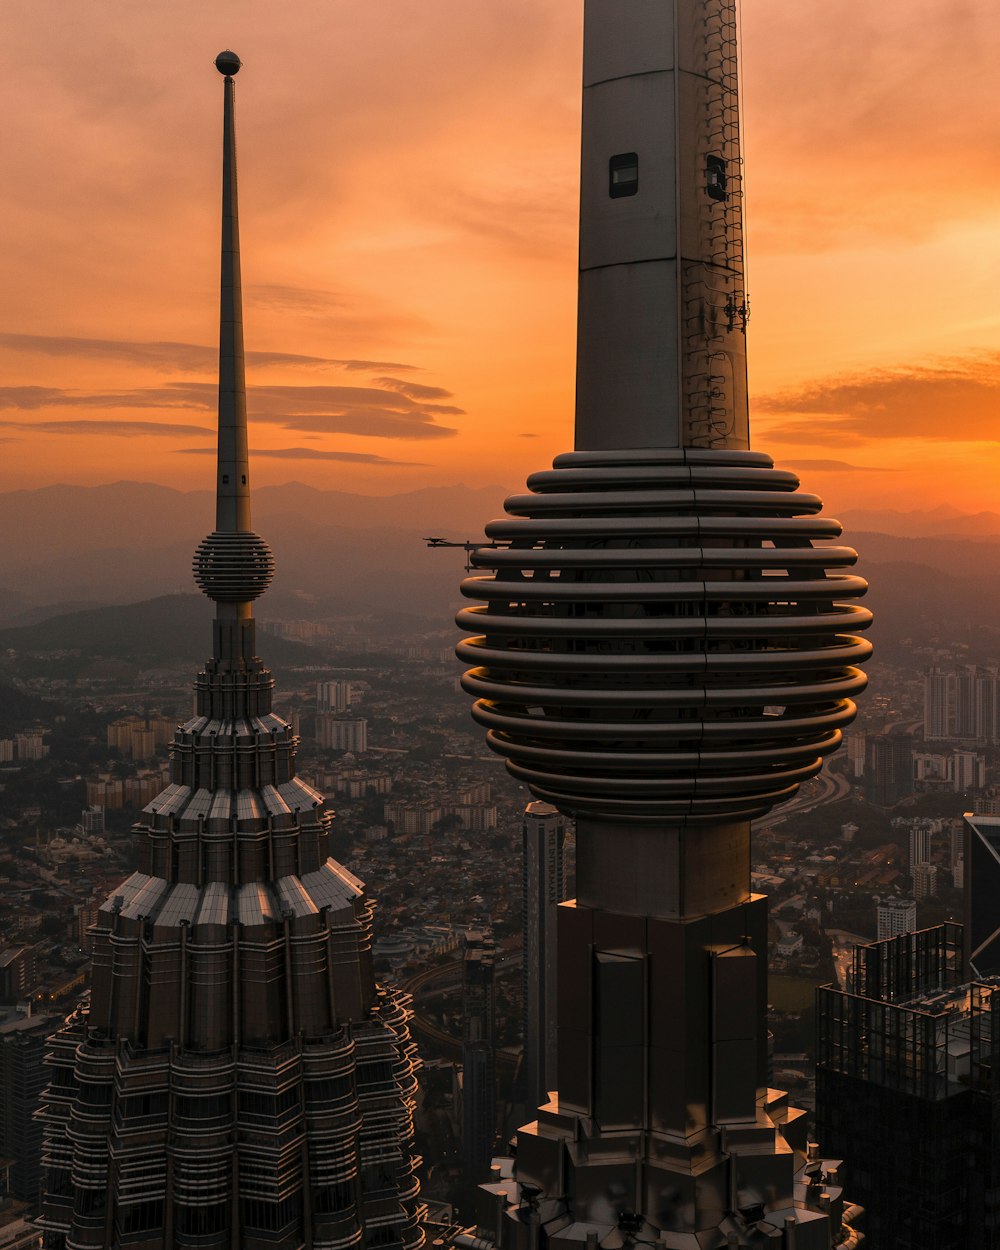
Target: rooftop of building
point(16, 1021)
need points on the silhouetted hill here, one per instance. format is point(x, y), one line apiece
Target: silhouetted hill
point(339, 554)
point(166, 630)
point(18, 709)
point(961, 557)
point(942, 522)
point(133, 541)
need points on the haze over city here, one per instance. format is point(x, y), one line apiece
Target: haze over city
point(411, 234)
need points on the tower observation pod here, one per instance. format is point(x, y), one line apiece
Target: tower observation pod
point(664, 644)
point(239, 1080)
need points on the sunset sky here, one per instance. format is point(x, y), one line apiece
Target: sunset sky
point(408, 186)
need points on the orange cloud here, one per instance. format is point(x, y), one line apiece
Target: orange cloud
point(958, 401)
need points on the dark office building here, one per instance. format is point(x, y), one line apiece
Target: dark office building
point(908, 1093)
point(981, 855)
point(23, 1077)
point(888, 768)
point(239, 1080)
point(479, 1079)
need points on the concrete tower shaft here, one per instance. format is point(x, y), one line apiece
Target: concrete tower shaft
point(661, 355)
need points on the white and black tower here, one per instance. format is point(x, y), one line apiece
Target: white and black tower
point(240, 1081)
point(663, 648)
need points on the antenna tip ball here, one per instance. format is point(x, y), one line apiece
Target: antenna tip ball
point(228, 63)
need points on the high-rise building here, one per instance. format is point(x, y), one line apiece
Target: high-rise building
point(660, 650)
point(939, 705)
point(543, 886)
point(968, 771)
point(18, 973)
point(981, 872)
point(29, 746)
point(959, 770)
point(888, 768)
point(855, 749)
point(925, 881)
point(920, 843)
point(894, 916)
point(92, 820)
point(479, 1080)
point(962, 703)
point(907, 1094)
point(22, 1079)
point(338, 733)
point(334, 696)
point(239, 1078)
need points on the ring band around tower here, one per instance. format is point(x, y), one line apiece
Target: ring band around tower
point(664, 635)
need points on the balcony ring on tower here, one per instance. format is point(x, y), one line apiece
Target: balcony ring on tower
point(233, 567)
point(664, 635)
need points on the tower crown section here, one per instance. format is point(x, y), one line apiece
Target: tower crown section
point(238, 1078)
point(665, 634)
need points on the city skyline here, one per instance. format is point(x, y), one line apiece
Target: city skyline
point(432, 211)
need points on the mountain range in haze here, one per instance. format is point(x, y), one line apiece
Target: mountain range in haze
point(933, 573)
point(941, 522)
point(71, 547)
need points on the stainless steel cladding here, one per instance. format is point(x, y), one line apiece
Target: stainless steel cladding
point(664, 634)
point(233, 567)
point(663, 307)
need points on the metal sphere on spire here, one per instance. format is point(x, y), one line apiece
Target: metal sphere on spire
point(233, 568)
point(228, 63)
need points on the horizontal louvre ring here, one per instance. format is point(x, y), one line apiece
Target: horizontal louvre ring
point(663, 634)
point(233, 567)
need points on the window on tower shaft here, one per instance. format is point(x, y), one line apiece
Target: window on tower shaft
point(623, 175)
point(716, 178)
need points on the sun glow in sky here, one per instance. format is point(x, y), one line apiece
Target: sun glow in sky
point(408, 187)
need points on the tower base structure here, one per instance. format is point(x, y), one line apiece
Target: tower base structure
point(664, 1131)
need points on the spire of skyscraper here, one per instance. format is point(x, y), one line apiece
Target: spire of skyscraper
point(663, 653)
point(233, 566)
point(239, 1080)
